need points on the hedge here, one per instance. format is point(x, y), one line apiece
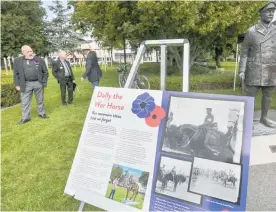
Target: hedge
point(197, 82)
point(9, 95)
point(201, 78)
point(154, 69)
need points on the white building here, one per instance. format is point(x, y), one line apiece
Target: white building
point(105, 55)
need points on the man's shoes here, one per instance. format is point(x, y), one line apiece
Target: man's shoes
point(70, 103)
point(64, 104)
point(44, 116)
point(23, 121)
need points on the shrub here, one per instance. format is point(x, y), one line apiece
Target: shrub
point(154, 69)
point(9, 95)
point(198, 82)
point(197, 70)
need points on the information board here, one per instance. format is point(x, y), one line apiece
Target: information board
point(163, 151)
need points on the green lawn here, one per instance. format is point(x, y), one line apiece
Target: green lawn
point(228, 66)
point(37, 156)
point(121, 193)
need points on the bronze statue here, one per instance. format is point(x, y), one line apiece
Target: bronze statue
point(258, 60)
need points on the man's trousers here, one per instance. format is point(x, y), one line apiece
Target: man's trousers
point(26, 99)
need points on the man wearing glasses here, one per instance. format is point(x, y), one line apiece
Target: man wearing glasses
point(30, 76)
point(62, 71)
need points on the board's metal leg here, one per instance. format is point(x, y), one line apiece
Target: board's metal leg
point(135, 66)
point(163, 67)
point(81, 208)
point(186, 67)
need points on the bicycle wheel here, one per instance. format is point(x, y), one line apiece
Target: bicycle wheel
point(122, 80)
point(142, 82)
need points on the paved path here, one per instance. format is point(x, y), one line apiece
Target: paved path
point(262, 175)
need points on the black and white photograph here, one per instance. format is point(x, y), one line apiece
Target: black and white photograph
point(211, 129)
point(173, 179)
point(216, 179)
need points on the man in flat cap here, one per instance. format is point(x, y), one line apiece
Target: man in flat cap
point(258, 60)
point(92, 69)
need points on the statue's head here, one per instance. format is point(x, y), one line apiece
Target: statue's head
point(267, 12)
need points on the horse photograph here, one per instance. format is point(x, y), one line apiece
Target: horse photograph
point(207, 128)
point(173, 179)
point(127, 186)
point(216, 179)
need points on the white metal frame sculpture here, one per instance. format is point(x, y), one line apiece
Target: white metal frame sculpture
point(163, 67)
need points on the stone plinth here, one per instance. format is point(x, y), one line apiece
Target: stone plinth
point(260, 129)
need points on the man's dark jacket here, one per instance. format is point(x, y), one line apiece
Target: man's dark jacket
point(58, 70)
point(19, 76)
point(93, 71)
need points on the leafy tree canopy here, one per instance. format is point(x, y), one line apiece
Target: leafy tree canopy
point(202, 22)
point(22, 24)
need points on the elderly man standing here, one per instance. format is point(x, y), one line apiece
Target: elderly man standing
point(258, 60)
point(30, 75)
point(62, 71)
point(93, 71)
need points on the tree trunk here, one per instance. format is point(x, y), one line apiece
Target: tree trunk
point(176, 56)
point(170, 60)
point(194, 52)
point(111, 52)
point(218, 53)
point(218, 64)
point(124, 42)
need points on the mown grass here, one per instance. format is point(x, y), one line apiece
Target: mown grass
point(37, 156)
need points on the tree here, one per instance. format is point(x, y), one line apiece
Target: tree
point(143, 179)
point(110, 25)
point(59, 30)
point(117, 171)
point(22, 24)
point(201, 22)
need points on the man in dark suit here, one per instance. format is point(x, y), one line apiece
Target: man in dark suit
point(92, 68)
point(30, 75)
point(62, 71)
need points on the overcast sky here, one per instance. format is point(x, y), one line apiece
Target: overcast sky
point(46, 3)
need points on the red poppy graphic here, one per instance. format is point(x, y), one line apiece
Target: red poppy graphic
point(155, 117)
